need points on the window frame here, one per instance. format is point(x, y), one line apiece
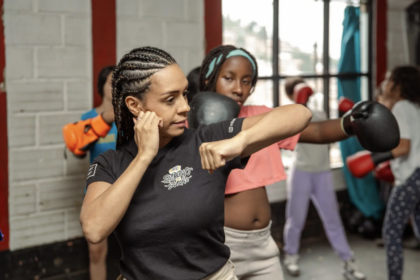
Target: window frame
point(276, 77)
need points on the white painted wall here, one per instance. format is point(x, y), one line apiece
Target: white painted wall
point(397, 39)
point(48, 84)
point(176, 26)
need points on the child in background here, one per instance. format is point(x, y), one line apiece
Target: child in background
point(310, 178)
point(98, 252)
point(402, 90)
point(233, 72)
point(193, 83)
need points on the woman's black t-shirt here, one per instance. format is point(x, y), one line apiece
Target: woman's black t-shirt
point(173, 227)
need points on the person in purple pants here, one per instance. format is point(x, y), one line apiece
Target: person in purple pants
point(310, 178)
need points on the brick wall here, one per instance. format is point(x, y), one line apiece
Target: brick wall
point(48, 81)
point(49, 84)
point(176, 26)
point(396, 42)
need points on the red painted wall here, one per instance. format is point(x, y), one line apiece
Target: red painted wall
point(381, 37)
point(104, 39)
point(4, 153)
point(213, 23)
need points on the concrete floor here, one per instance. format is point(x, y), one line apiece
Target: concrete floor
point(319, 262)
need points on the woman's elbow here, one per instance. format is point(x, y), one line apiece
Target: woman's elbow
point(91, 232)
point(92, 236)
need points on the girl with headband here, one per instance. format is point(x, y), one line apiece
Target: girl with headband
point(233, 72)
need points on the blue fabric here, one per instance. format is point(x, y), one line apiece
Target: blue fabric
point(239, 52)
point(103, 144)
point(363, 192)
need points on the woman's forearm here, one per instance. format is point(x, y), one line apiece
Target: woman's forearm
point(101, 216)
point(280, 123)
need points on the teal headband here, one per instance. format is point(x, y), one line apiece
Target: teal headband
point(237, 52)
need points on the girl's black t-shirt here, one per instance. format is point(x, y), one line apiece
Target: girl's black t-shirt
point(173, 227)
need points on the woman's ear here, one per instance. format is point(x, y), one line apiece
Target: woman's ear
point(134, 105)
point(206, 82)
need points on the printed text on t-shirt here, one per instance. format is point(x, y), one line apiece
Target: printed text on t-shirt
point(92, 170)
point(177, 177)
point(231, 126)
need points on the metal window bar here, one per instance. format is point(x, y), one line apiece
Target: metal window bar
point(371, 84)
point(311, 76)
point(276, 51)
point(326, 57)
point(326, 76)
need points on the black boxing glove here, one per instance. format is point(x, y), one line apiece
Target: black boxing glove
point(211, 107)
point(374, 126)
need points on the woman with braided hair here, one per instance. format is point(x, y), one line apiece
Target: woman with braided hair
point(161, 192)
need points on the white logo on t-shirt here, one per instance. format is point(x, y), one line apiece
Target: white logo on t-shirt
point(177, 177)
point(231, 126)
point(92, 170)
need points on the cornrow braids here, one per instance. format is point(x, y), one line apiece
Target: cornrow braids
point(408, 79)
point(220, 53)
point(132, 77)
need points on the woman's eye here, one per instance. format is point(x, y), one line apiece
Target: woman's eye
point(247, 82)
point(170, 100)
point(185, 93)
point(228, 79)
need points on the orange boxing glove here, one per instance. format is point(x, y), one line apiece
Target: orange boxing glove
point(383, 172)
point(301, 93)
point(80, 136)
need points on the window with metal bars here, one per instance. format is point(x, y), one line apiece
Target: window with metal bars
point(298, 38)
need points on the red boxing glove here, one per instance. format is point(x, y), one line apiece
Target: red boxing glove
point(80, 136)
point(344, 105)
point(363, 162)
point(383, 172)
point(301, 93)
point(360, 164)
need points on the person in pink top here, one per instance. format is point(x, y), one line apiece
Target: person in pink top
point(266, 163)
point(233, 72)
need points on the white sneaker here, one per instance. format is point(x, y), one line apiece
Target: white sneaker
point(351, 271)
point(291, 263)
